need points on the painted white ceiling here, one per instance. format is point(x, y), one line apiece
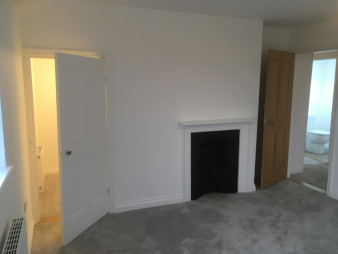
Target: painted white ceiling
point(277, 13)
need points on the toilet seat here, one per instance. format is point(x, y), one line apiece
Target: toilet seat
point(319, 133)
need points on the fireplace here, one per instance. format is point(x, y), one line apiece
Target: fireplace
point(214, 162)
point(247, 128)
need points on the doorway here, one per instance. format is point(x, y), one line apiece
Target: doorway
point(46, 138)
point(81, 127)
point(315, 171)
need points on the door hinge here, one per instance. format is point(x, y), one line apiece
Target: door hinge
point(108, 191)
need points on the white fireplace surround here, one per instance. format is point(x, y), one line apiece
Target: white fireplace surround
point(247, 149)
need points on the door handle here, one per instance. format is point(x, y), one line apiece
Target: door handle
point(66, 152)
point(267, 121)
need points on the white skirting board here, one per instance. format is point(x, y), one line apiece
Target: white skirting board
point(146, 203)
point(333, 194)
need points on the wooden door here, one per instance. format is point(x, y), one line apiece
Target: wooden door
point(277, 116)
point(81, 102)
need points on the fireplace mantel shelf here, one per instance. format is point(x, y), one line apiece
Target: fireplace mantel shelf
point(218, 121)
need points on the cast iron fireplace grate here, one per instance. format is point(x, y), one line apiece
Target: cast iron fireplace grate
point(214, 162)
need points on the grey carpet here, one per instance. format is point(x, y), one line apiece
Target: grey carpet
point(50, 198)
point(314, 173)
point(286, 218)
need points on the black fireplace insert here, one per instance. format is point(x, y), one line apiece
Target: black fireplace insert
point(214, 162)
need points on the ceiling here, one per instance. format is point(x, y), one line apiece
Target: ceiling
point(275, 13)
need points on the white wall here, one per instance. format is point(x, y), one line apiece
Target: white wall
point(312, 38)
point(275, 38)
point(165, 67)
point(299, 111)
point(15, 189)
point(321, 93)
point(44, 94)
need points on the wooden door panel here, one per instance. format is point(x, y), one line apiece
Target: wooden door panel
point(284, 93)
point(82, 131)
point(277, 115)
point(269, 144)
point(271, 105)
point(72, 79)
point(73, 186)
point(93, 121)
point(279, 148)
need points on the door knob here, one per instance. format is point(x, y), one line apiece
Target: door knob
point(267, 121)
point(65, 152)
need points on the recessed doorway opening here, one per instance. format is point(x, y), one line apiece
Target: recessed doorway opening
point(66, 94)
point(46, 138)
point(315, 170)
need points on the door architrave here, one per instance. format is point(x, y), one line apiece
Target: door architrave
point(332, 159)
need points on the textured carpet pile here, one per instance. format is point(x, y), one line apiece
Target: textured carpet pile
point(286, 218)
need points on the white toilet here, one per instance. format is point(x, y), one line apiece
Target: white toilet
point(316, 141)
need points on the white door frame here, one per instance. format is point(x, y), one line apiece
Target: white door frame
point(332, 183)
point(332, 159)
point(28, 53)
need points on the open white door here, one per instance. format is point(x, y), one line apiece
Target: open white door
point(81, 102)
